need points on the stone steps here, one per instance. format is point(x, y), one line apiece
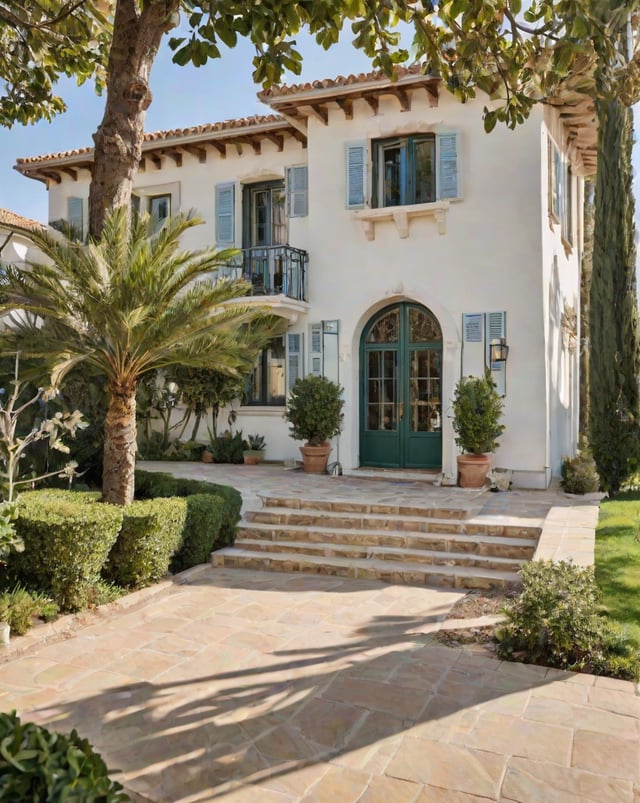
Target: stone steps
point(395, 522)
point(498, 546)
point(393, 543)
point(427, 556)
point(403, 573)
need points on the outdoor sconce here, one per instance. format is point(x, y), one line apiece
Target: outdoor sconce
point(498, 350)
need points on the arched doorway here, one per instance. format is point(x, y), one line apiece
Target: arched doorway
point(401, 389)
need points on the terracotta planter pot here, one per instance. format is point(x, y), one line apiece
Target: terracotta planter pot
point(206, 456)
point(315, 458)
point(252, 457)
point(473, 470)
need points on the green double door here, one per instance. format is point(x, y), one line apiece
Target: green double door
point(401, 389)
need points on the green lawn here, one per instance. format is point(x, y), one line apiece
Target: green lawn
point(618, 560)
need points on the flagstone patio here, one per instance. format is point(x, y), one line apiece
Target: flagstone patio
point(239, 686)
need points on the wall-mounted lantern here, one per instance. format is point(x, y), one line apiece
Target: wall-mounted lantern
point(499, 351)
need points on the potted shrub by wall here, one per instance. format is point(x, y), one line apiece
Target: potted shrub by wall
point(254, 449)
point(314, 410)
point(477, 408)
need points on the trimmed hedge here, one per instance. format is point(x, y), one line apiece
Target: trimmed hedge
point(67, 538)
point(209, 524)
point(36, 764)
point(151, 534)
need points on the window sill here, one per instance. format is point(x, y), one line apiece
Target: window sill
point(262, 409)
point(401, 215)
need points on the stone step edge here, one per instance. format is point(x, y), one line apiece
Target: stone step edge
point(333, 506)
point(363, 563)
point(486, 538)
point(524, 531)
point(291, 547)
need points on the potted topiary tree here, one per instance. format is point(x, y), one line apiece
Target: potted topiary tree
point(314, 410)
point(477, 408)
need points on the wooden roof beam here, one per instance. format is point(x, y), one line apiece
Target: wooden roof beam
point(346, 104)
point(195, 150)
point(70, 172)
point(51, 175)
point(319, 111)
point(156, 158)
point(277, 139)
point(302, 138)
point(404, 98)
point(373, 102)
point(432, 91)
point(220, 147)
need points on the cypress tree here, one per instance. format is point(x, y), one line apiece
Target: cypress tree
point(613, 313)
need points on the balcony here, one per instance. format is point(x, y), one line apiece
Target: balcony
point(273, 270)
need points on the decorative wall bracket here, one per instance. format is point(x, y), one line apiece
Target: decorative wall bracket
point(401, 215)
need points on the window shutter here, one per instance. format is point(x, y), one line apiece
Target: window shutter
point(356, 174)
point(315, 349)
point(448, 183)
point(495, 328)
point(297, 191)
point(225, 214)
point(294, 358)
point(75, 217)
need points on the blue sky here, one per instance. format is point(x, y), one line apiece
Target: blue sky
point(182, 96)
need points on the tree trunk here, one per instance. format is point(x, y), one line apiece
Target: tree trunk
point(119, 446)
point(118, 140)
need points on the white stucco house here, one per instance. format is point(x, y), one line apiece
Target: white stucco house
point(399, 240)
point(15, 247)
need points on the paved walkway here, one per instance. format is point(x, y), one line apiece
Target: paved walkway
point(240, 686)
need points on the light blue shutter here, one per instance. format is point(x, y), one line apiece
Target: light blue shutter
point(294, 358)
point(356, 174)
point(495, 329)
point(315, 349)
point(75, 217)
point(297, 191)
point(225, 214)
point(448, 183)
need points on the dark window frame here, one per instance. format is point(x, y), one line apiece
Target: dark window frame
point(408, 192)
point(264, 397)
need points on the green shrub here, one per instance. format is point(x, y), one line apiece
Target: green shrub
point(314, 409)
point(201, 531)
point(20, 607)
point(555, 621)
point(579, 474)
point(151, 533)
point(38, 765)
point(228, 448)
point(151, 484)
point(67, 537)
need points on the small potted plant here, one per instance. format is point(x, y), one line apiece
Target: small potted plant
point(477, 409)
point(314, 410)
point(253, 451)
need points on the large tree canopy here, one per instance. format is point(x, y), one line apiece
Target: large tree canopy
point(42, 40)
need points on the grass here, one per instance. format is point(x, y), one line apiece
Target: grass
point(617, 560)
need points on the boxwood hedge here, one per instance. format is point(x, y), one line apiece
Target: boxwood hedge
point(211, 521)
point(67, 538)
point(151, 534)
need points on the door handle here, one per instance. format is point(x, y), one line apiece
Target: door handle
point(400, 411)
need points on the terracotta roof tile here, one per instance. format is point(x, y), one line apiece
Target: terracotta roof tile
point(338, 82)
point(175, 133)
point(8, 218)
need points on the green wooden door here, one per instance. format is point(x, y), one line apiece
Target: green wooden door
point(401, 389)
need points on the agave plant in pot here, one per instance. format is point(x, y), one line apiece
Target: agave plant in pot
point(477, 409)
point(314, 411)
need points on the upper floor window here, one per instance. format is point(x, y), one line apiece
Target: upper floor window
point(403, 170)
point(560, 199)
point(158, 207)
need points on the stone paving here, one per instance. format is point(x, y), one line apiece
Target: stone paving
point(240, 686)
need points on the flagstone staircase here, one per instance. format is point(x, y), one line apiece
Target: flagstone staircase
point(406, 544)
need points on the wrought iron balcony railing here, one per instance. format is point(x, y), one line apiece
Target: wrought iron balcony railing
point(272, 270)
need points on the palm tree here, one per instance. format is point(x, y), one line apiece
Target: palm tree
point(130, 303)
